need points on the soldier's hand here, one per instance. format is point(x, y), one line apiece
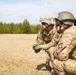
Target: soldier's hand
point(36, 48)
point(34, 45)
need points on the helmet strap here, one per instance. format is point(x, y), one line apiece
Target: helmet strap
point(67, 20)
point(75, 22)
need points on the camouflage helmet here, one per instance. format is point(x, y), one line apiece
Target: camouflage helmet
point(47, 19)
point(66, 17)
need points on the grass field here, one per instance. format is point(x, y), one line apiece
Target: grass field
point(17, 56)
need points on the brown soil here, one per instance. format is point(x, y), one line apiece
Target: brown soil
point(17, 56)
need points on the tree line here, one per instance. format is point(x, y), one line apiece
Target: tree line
point(19, 28)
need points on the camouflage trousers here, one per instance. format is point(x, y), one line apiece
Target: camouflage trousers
point(50, 56)
point(67, 67)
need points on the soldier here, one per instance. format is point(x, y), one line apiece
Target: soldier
point(47, 37)
point(65, 53)
point(46, 33)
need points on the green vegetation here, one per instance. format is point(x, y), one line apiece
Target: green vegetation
point(19, 28)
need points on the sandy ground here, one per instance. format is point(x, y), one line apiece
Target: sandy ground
point(17, 56)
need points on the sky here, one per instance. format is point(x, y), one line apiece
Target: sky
point(17, 10)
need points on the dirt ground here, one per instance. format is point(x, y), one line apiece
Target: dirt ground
point(17, 56)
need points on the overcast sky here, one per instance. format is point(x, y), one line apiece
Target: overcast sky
point(17, 10)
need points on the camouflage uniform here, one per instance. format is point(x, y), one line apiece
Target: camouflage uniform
point(43, 36)
point(49, 45)
point(48, 41)
point(65, 54)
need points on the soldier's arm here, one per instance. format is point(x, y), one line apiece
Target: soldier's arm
point(53, 43)
point(63, 53)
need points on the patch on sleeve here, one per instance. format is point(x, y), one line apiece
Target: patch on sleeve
point(60, 45)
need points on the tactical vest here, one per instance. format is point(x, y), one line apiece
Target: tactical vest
point(46, 36)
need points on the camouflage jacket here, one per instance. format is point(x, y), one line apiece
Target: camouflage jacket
point(66, 47)
point(44, 37)
point(48, 40)
point(55, 39)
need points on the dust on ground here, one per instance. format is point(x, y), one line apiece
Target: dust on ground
point(17, 56)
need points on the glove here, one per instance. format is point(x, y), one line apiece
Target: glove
point(36, 48)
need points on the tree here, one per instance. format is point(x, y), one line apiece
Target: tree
point(6, 28)
point(19, 28)
point(32, 29)
point(38, 27)
point(11, 27)
point(1, 28)
point(26, 26)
